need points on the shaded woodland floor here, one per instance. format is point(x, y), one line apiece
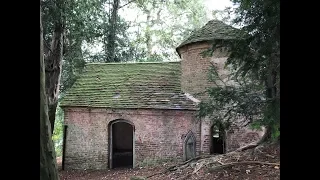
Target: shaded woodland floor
point(267, 153)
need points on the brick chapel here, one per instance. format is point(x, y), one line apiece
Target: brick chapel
point(125, 114)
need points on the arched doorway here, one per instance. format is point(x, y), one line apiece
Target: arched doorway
point(189, 146)
point(121, 144)
point(217, 140)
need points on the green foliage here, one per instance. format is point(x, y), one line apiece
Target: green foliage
point(57, 136)
point(152, 58)
point(86, 24)
point(255, 61)
point(168, 23)
point(272, 117)
point(261, 20)
point(241, 99)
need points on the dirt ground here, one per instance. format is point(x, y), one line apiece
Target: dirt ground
point(268, 153)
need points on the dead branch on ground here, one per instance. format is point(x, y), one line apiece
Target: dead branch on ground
point(214, 161)
point(242, 162)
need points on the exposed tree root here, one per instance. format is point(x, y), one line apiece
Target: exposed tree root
point(242, 162)
point(215, 161)
point(263, 139)
point(180, 166)
point(185, 177)
point(249, 146)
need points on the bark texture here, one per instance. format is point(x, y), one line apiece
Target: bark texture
point(148, 34)
point(112, 32)
point(53, 64)
point(48, 166)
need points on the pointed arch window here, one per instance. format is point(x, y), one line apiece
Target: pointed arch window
point(189, 146)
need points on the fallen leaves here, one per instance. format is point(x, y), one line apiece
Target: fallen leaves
point(237, 171)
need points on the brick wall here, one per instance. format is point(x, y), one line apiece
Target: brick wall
point(236, 137)
point(195, 67)
point(159, 134)
point(205, 136)
point(195, 80)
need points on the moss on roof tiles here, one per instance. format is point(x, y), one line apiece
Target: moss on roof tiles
point(129, 85)
point(213, 30)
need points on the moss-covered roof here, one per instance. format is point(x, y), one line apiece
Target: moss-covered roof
point(213, 30)
point(129, 85)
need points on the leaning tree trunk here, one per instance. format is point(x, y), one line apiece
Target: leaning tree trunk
point(53, 66)
point(48, 166)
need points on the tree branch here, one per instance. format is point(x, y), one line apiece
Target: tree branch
point(48, 48)
point(126, 4)
point(214, 68)
point(173, 168)
point(243, 162)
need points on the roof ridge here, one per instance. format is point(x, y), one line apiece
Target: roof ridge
point(212, 30)
point(215, 20)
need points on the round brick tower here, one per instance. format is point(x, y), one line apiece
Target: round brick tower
point(194, 79)
point(195, 68)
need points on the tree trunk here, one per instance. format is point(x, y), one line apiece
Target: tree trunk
point(148, 34)
point(77, 59)
point(150, 23)
point(271, 93)
point(112, 32)
point(48, 166)
point(53, 66)
point(52, 108)
point(266, 136)
point(105, 38)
